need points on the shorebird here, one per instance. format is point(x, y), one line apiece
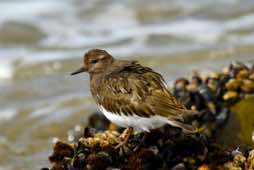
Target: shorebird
point(131, 95)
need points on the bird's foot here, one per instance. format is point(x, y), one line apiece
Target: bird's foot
point(124, 137)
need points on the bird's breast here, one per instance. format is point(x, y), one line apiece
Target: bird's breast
point(139, 123)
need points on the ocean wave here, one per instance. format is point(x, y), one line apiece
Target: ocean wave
point(115, 27)
point(29, 9)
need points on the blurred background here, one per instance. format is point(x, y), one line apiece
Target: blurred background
point(41, 42)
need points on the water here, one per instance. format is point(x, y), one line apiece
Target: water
point(41, 42)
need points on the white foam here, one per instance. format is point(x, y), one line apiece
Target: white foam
point(7, 114)
point(19, 10)
point(101, 29)
point(46, 110)
point(246, 21)
point(6, 69)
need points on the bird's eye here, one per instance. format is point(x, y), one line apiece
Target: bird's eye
point(94, 61)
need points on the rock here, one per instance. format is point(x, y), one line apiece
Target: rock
point(61, 150)
point(239, 160)
point(250, 160)
point(251, 76)
point(233, 84)
point(239, 127)
point(79, 161)
point(243, 74)
point(248, 86)
point(179, 166)
point(204, 167)
point(224, 122)
point(145, 159)
point(230, 95)
point(98, 121)
point(98, 161)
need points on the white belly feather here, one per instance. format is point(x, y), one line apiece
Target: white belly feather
point(138, 123)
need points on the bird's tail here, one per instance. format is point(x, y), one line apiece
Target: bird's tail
point(184, 120)
point(189, 115)
point(186, 128)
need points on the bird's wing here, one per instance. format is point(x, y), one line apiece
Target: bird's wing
point(139, 90)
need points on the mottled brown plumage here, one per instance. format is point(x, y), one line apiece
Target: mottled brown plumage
point(130, 90)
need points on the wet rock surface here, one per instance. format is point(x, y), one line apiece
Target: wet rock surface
point(165, 148)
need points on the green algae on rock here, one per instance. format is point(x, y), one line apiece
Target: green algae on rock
point(239, 129)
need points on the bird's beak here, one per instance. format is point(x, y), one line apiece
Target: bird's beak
point(81, 70)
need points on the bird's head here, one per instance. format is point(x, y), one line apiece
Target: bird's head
point(95, 61)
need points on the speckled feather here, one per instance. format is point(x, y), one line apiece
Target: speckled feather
point(139, 90)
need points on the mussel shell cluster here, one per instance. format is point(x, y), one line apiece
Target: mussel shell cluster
point(213, 94)
point(167, 148)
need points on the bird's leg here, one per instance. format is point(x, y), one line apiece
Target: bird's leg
point(124, 137)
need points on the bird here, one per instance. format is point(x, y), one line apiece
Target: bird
point(132, 95)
